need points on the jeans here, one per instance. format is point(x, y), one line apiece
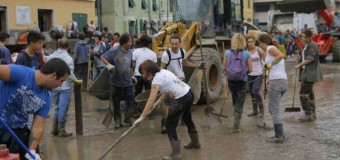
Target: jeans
point(238, 94)
point(82, 72)
point(255, 83)
point(62, 98)
point(276, 89)
point(180, 107)
point(140, 84)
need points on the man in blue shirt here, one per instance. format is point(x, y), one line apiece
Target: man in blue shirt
point(6, 54)
point(25, 101)
point(120, 58)
point(29, 57)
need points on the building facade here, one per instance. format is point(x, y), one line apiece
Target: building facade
point(261, 9)
point(134, 16)
point(20, 15)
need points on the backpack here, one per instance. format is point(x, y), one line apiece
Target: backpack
point(169, 54)
point(237, 68)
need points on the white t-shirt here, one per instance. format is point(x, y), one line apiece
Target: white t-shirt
point(170, 84)
point(256, 62)
point(278, 70)
point(142, 54)
point(176, 63)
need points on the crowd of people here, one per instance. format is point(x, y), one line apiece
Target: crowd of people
point(28, 83)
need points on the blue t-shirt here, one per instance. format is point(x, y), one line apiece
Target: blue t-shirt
point(21, 98)
point(123, 63)
point(246, 56)
point(26, 60)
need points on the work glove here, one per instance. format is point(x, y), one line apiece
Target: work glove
point(267, 66)
point(111, 68)
point(78, 81)
point(134, 80)
point(36, 155)
point(138, 120)
point(201, 66)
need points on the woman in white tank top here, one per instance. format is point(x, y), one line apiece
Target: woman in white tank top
point(255, 78)
point(277, 85)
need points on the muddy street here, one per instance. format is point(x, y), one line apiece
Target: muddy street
point(313, 140)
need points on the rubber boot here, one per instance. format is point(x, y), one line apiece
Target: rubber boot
point(254, 113)
point(62, 131)
point(278, 138)
point(194, 144)
point(237, 121)
point(307, 118)
point(261, 108)
point(163, 128)
point(128, 116)
point(55, 127)
point(176, 150)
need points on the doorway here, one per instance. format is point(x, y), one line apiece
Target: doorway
point(45, 17)
point(3, 22)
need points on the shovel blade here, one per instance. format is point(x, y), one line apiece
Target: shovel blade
point(212, 119)
point(108, 119)
point(293, 109)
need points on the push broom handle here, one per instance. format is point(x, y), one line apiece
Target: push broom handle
point(16, 138)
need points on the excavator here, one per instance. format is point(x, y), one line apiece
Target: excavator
point(214, 21)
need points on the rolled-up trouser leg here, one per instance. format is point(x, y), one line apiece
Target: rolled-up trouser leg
point(276, 89)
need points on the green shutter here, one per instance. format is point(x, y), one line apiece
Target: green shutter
point(154, 5)
point(144, 4)
point(132, 3)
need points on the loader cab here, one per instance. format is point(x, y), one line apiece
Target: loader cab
point(217, 17)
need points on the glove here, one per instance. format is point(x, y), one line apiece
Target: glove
point(134, 80)
point(111, 68)
point(138, 120)
point(36, 155)
point(201, 66)
point(78, 81)
point(268, 66)
point(157, 104)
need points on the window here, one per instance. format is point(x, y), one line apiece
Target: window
point(171, 6)
point(261, 8)
point(144, 4)
point(154, 5)
point(249, 4)
point(132, 3)
point(132, 28)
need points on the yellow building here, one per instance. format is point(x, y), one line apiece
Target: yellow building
point(248, 11)
point(19, 15)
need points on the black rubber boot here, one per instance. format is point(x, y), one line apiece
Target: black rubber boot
point(55, 127)
point(237, 121)
point(128, 116)
point(194, 144)
point(163, 128)
point(278, 138)
point(62, 131)
point(261, 109)
point(176, 150)
point(254, 113)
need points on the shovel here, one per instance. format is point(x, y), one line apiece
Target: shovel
point(109, 115)
point(293, 109)
point(209, 113)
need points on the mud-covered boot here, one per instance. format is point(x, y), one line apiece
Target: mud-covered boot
point(306, 118)
point(62, 131)
point(261, 108)
point(237, 121)
point(176, 150)
point(128, 117)
point(163, 128)
point(254, 113)
point(278, 138)
point(194, 144)
point(55, 127)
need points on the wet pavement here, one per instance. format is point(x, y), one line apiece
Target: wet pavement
point(319, 140)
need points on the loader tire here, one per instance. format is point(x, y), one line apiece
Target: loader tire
point(336, 51)
point(213, 73)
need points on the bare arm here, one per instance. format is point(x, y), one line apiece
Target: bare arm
point(262, 54)
point(189, 64)
point(162, 66)
point(277, 54)
point(249, 65)
point(151, 100)
point(4, 72)
point(37, 131)
point(224, 65)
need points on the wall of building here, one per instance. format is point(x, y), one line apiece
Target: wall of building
point(248, 10)
point(62, 11)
